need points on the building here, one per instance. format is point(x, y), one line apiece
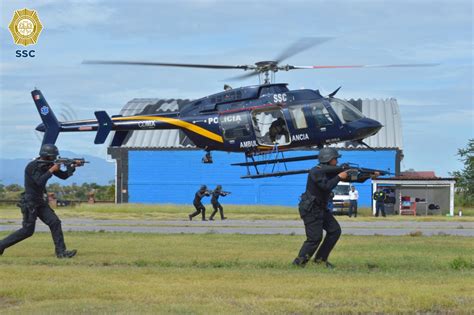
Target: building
point(417, 193)
point(164, 166)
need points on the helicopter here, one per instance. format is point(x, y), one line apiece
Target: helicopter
point(263, 120)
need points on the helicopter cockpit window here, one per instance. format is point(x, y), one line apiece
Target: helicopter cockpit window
point(345, 110)
point(270, 127)
point(235, 125)
point(298, 118)
point(321, 115)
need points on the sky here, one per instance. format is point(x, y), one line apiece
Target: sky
point(436, 103)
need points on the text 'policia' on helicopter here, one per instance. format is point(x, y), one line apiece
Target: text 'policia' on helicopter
point(253, 120)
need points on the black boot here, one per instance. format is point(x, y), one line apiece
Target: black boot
point(1, 251)
point(221, 212)
point(326, 263)
point(67, 254)
point(300, 262)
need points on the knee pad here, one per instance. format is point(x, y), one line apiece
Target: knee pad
point(55, 223)
point(335, 233)
point(27, 231)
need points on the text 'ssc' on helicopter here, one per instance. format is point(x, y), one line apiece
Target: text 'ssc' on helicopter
point(254, 120)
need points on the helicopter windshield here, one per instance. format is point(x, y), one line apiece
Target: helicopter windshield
point(345, 110)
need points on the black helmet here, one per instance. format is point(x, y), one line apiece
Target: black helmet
point(49, 150)
point(327, 154)
point(219, 187)
point(203, 187)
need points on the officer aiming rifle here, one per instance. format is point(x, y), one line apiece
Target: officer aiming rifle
point(201, 193)
point(313, 205)
point(215, 202)
point(34, 204)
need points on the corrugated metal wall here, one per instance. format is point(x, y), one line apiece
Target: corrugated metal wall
point(160, 176)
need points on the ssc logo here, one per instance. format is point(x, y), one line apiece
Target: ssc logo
point(25, 27)
point(44, 110)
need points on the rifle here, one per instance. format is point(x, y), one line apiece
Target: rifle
point(66, 161)
point(354, 172)
point(225, 193)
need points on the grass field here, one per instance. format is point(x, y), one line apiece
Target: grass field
point(211, 273)
point(178, 212)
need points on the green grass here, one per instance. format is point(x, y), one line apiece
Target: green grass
point(178, 212)
point(211, 273)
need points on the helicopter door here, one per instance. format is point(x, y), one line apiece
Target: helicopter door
point(300, 119)
point(237, 129)
point(270, 127)
point(321, 121)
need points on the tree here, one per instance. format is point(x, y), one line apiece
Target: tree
point(465, 177)
point(13, 188)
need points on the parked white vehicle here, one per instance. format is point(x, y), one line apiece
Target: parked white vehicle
point(341, 198)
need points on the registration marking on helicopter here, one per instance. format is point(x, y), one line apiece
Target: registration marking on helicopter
point(180, 123)
point(333, 140)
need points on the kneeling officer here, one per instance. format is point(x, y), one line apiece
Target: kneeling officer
point(34, 203)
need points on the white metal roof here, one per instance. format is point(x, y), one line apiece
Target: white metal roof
point(386, 112)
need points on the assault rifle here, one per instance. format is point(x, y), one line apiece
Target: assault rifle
point(225, 193)
point(66, 161)
point(354, 172)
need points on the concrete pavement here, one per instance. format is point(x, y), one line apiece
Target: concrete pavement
point(285, 227)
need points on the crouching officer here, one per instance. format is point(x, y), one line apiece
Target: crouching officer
point(34, 203)
point(313, 209)
point(201, 193)
point(216, 204)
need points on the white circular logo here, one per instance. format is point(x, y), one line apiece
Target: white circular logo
point(44, 110)
point(25, 27)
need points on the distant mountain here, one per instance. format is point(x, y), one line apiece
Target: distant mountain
point(98, 171)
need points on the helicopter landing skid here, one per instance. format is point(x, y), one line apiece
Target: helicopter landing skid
point(274, 160)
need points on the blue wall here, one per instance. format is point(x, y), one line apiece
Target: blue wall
point(174, 177)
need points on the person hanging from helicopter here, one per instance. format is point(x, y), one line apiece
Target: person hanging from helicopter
point(278, 127)
point(215, 202)
point(201, 193)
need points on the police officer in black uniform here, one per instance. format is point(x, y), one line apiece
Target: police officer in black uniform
point(313, 209)
point(216, 204)
point(201, 193)
point(34, 202)
point(379, 197)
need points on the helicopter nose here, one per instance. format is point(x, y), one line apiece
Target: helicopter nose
point(367, 127)
point(41, 127)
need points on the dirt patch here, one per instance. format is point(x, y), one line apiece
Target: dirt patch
point(8, 302)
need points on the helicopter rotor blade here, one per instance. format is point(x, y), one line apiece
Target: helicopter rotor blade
point(407, 65)
point(243, 76)
point(165, 64)
point(300, 46)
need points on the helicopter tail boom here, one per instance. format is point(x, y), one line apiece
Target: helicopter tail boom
point(51, 124)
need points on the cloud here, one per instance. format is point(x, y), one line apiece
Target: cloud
point(455, 117)
point(60, 16)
